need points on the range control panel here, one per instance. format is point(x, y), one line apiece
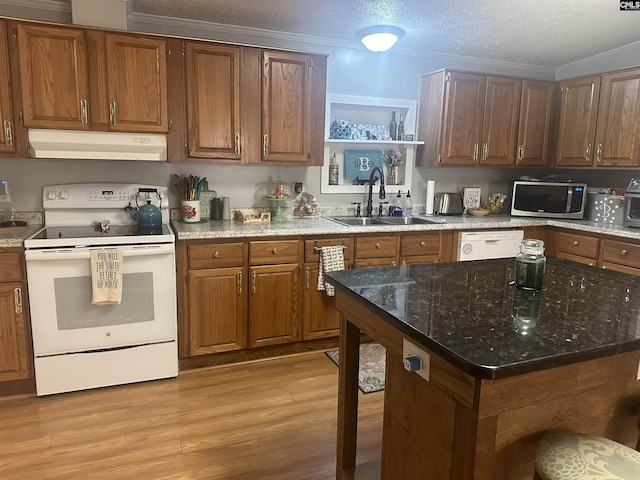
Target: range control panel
point(107, 195)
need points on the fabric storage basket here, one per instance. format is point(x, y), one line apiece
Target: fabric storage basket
point(605, 208)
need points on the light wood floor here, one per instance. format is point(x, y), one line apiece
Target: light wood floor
point(268, 420)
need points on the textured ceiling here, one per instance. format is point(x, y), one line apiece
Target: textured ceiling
point(534, 32)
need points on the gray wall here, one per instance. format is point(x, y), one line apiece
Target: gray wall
point(351, 71)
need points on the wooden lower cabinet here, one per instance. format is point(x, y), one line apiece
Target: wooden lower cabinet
point(274, 304)
point(217, 310)
point(320, 318)
point(577, 247)
point(14, 350)
point(247, 293)
point(420, 248)
point(376, 251)
point(14, 360)
point(621, 256)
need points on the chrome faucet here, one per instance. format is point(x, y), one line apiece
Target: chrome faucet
point(381, 193)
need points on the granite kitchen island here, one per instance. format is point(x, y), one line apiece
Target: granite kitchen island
point(505, 366)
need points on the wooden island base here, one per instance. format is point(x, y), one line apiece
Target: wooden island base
point(460, 427)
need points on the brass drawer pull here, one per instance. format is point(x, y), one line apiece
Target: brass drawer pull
point(216, 254)
point(378, 246)
point(422, 244)
point(253, 281)
point(240, 283)
point(623, 252)
point(307, 278)
point(576, 243)
point(275, 250)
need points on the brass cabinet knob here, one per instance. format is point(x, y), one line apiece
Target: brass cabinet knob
point(422, 244)
point(275, 250)
point(216, 254)
point(377, 245)
point(623, 252)
point(576, 243)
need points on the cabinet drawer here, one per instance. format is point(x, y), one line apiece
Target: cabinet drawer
point(10, 267)
point(311, 254)
point(423, 244)
point(376, 247)
point(216, 255)
point(621, 253)
point(578, 245)
point(273, 251)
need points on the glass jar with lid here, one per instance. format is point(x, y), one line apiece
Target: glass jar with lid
point(530, 265)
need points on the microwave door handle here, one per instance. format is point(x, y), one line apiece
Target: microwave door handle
point(567, 207)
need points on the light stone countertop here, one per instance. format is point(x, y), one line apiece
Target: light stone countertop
point(14, 236)
point(216, 229)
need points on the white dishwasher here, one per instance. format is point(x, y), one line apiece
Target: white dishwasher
point(484, 244)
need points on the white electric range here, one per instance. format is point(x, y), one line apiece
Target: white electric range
point(79, 345)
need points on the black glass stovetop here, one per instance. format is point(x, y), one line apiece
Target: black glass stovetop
point(50, 233)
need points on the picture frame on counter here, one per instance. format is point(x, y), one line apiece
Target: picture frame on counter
point(471, 197)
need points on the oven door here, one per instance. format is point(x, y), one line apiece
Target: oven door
point(63, 318)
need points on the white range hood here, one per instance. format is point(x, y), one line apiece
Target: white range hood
point(97, 145)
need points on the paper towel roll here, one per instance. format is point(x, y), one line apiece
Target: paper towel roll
point(431, 193)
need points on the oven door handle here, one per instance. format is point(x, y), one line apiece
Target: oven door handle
point(85, 252)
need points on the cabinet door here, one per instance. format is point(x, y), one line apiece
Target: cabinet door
point(274, 313)
point(286, 107)
point(462, 125)
point(213, 101)
point(536, 104)
point(577, 125)
point(136, 83)
point(319, 315)
point(217, 310)
point(53, 72)
point(14, 363)
point(7, 144)
point(617, 141)
point(499, 125)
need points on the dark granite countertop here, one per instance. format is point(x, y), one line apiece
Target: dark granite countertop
point(471, 315)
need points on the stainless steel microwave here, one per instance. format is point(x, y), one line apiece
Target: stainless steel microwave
point(548, 199)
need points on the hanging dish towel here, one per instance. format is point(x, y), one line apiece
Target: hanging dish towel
point(106, 277)
point(331, 260)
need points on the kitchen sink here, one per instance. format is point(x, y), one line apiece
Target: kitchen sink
point(356, 221)
point(364, 221)
point(407, 220)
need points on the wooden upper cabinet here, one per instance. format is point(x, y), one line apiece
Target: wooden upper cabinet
point(617, 139)
point(53, 71)
point(7, 144)
point(464, 96)
point(500, 121)
point(286, 107)
point(136, 83)
point(213, 100)
point(577, 123)
point(536, 106)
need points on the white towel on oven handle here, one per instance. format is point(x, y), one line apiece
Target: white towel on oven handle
point(106, 277)
point(331, 260)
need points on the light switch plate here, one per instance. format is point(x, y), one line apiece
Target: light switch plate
point(5, 198)
point(411, 350)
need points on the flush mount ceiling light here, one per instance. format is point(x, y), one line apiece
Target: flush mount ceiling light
point(380, 38)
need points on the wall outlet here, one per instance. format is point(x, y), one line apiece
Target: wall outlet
point(411, 351)
point(4, 191)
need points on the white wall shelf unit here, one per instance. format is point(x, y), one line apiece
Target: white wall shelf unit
point(368, 110)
